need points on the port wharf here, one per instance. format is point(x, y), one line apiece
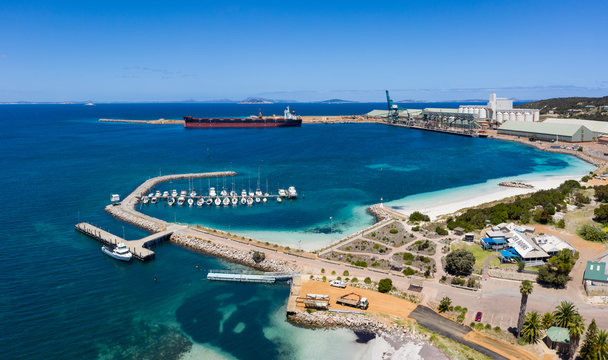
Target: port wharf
point(248, 277)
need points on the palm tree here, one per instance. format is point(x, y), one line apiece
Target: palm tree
point(547, 320)
point(564, 314)
point(576, 329)
point(532, 328)
point(525, 289)
point(602, 345)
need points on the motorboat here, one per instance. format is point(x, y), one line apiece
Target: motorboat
point(145, 199)
point(279, 199)
point(209, 201)
point(264, 199)
point(181, 200)
point(192, 193)
point(190, 201)
point(234, 200)
point(282, 193)
point(249, 201)
point(212, 192)
point(257, 199)
point(171, 201)
point(153, 200)
point(244, 192)
point(174, 193)
point(258, 192)
point(200, 202)
point(183, 193)
point(151, 195)
point(223, 192)
point(233, 193)
point(165, 194)
point(115, 198)
point(120, 252)
point(158, 194)
point(218, 201)
point(251, 194)
point(244, 200)
point(292, 193)
point(226, 201)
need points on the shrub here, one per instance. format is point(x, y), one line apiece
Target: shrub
point(258, 257)
point(393, 231)
point(497, 329)
point(409, 271)
point(458, 281)
point(556, 270)
point(561, 224)
point(591, 233)
point(417, 216)
point(444, 304)
point(520, 265)
point(376, 246)
point(360, 263)
point(376, 264)
point(488, 327)
point(373, 234)
point(354, 280)
point(460, 262)
point(333, 272)
point(416, 228)
point(441, 231)
point(345, 273)
point(385, 285)
point(323, 271)
point(367, 280)
point(585, 178)
point(339, 278)
point(601, 213)
point(324, 279)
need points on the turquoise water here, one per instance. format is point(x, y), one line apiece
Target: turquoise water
point(61, 298)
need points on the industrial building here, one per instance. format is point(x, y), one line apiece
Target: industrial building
point(548, 131)
point(403, 113)
point(500, 110)
point(598, 127)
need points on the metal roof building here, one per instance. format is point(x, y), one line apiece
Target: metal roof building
point(402, 113)
point(548, 131)
point(599, 127)
point(595, 279)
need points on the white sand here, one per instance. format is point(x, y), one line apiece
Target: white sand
point(435, 204)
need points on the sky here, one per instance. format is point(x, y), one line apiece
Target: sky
point(132, 51)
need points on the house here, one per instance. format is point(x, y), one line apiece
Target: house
point(595, 278)
point(552, 244)
point(528, 251)
point(493, 243)
point(558, 338)
point(469, 237)
point(458, 230)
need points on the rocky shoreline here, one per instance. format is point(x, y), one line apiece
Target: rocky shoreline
point(231, 254)
point(378, 212)
point(516, 184)
point(139, 221)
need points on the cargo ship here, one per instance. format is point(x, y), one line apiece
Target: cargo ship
point(288, 119)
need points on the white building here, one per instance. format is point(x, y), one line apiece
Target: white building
point(500, 110)
point(552, 244)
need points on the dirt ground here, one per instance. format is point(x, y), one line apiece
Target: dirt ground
point(498, 346)
point(378, 303)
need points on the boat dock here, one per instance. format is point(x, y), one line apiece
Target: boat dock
point(139, 248)
point(264, 278)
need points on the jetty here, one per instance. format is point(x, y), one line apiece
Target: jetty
point(139, 248)
point(265, 278)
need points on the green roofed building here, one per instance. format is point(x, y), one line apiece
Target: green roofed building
point(595, 279)
point(548, 131)
point(558, 338)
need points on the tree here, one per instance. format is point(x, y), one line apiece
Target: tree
point(589, 348)
point(547, 321)
point(591, 233)
point(602, 345)
point(460, 262)
point(576, 329)
point(258, 256)
point(417, 216)
point(564, 314)
point(445, 304)
point(532, 328)
point(525, 289)
point(367, 280)
point(520, 265)
point(601, 213)
point(385, 285)
point(557, 269)
point(441, 231)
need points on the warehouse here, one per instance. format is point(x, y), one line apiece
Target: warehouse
point(548, 131)
point(598, 127)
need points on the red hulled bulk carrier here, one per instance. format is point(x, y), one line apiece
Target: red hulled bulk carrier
point(288, 119)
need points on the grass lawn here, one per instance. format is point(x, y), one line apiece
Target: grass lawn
point(480, 254)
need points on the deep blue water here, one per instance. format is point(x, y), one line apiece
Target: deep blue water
point(61, 298)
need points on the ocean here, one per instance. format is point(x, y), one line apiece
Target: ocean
point(60, 297)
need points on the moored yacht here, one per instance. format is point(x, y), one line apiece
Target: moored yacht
point(183, 193)
point(244, 193)
point(244, 200)
point(174, 193)
point(200, 201)
point(190, 201)
point(257, 199)
point(234, 200)
point(120, 252)
point(153, 200)
point(218, 201)
point(171, 201)
point(249, 201)
point(292, 193)
point(279, 199)
point(209, 201)
point(158, 194)
point(145, 199)
point(212, 192)
point(233, 193)
point(165, 194)
point(226, 201)
point(192, 193)
point(181, 200)
point(282, 193)
point(223, 192)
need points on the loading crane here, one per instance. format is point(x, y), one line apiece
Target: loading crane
point(393, 110)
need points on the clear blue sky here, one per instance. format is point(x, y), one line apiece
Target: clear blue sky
point(176, 50)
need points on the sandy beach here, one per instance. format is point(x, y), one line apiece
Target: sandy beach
point(449, 201)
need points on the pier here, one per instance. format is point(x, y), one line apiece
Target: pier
point(265, 278)
point(139, 248)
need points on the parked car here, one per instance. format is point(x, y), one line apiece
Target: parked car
point(478, 316)
point(338, 283)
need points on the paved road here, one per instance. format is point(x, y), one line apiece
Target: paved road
point(454, 331)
